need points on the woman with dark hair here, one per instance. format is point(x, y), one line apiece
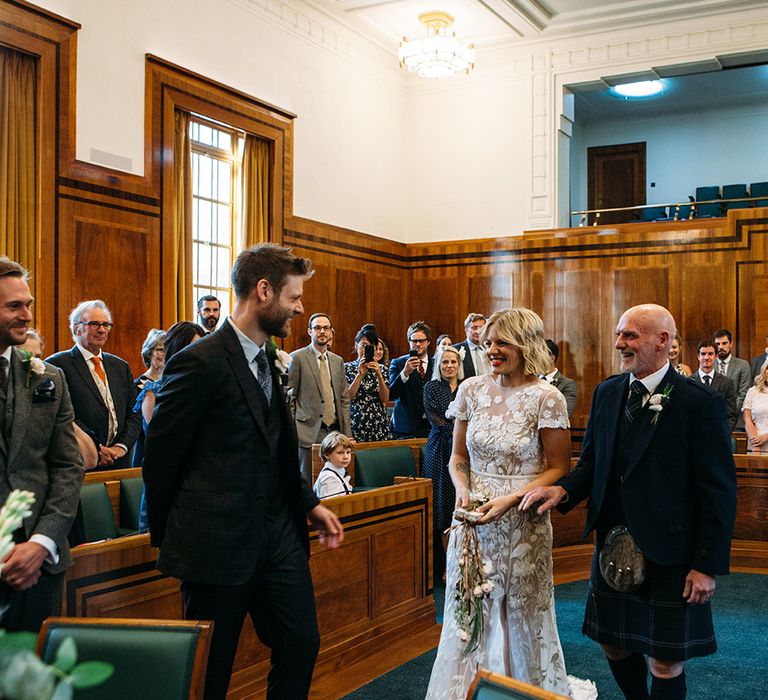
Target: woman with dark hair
point(368, 390)
point(179, 335)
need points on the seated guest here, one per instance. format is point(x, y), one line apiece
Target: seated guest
point(707, 375)
point(756, 412)
point(368, 390)
point(101, 385)
point(567, 387)
point(439, 392)
point(153, 355)
point(179, 335)
point(675, 357)
point(333, 479)
point(34, 344)
point(407, 376)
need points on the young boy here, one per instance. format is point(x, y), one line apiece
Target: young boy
point(333, 480)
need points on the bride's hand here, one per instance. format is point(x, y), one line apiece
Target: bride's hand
point(462, 498)
point(496, 507)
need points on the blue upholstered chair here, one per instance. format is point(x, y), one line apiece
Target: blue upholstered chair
point(735, 192)
point(708, 210)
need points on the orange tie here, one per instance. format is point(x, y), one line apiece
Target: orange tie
point(99, 370)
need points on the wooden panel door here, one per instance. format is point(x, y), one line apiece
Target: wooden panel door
point(616, 179)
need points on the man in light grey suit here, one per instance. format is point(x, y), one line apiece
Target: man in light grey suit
point(736, 369)
point(320, 391)
point(38, 453)
point(567, 387)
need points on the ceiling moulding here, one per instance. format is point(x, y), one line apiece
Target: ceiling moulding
point(519, 15)
point(676, 70)
point(327, 32)
point(746, 58)
point(641, 12)
point(636, 77)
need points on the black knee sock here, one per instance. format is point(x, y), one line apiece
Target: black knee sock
point(631, 676)
point(668, 688)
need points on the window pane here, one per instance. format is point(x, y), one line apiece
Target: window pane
point(195, 174)
point(225, 175)
point(222, 275)
point(224, 225)
point(225, 141)
point(203, 231)
point(206, 135)
point(204, 176)
point(204, 270)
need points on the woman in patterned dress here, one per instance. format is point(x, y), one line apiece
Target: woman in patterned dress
point(511, 434)
point(368, 391)
point(438, 395)
point(675, 357)
point(756, 412)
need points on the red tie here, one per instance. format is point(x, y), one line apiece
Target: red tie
point(99, 370)
point(421, 369)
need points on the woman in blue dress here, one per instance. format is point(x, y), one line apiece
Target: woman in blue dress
point(179, 335)
point(438, 394)
point(368, 391)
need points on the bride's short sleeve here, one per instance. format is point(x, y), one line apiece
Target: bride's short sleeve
point(461, 406)
point(553, 411)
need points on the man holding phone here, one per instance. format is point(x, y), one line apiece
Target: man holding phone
point(407, 376)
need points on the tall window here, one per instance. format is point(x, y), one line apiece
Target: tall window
point(215, 206)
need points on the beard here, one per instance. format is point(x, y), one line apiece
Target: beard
point(275, 320)
point(209, 323)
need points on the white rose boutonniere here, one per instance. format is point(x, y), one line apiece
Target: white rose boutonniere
point(282, 361)
point(657, 402)
point(34, 366)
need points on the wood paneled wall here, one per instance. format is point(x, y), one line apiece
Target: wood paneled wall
point(111, 241)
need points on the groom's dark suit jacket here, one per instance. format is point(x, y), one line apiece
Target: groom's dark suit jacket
point(679, 487)
point(208, 465)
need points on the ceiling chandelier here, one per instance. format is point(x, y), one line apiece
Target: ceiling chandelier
point(440, 54)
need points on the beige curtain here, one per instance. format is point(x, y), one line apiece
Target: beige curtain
point(18, 157)
point(255, 215)
point(182, 218)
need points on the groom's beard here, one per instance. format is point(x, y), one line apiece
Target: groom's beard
point(275, 320)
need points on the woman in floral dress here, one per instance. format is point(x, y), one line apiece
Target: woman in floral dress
point(368, 392)
point(507, 424)
point(756, 412)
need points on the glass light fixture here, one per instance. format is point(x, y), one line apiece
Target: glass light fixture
point(439, 55)
point(644, 88)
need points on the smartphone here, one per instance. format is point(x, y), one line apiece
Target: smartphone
point(369, 350)
point(413, 353)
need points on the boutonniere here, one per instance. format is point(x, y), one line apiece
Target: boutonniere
point(657, 402)
point(33, 365)
point(280, 359)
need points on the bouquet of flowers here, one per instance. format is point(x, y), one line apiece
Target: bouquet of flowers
point(474, 583)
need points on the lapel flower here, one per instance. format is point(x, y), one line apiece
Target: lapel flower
point(462, 352)
point(657, 402)
point(32, 365)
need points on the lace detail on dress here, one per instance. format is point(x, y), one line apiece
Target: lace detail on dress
point(520, 638)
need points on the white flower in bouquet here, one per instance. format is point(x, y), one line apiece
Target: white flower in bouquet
point(478, 592)
point(487, 567)
point(487, 587)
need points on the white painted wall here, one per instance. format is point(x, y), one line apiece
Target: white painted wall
point(375, 150)
point(683, 151)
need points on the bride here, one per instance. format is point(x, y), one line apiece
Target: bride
point(507, 425)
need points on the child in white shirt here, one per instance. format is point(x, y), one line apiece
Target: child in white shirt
point(333, 480)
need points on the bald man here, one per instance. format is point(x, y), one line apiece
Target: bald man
point(657, 462)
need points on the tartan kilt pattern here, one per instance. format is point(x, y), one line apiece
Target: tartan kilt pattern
point(653, 620)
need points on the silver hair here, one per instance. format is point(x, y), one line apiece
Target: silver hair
point(77, 313)
point(154, 337)
point(436, 374)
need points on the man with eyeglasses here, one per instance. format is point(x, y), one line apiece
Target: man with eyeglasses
point(320, 390)
point(101, 385)
point(407, 376)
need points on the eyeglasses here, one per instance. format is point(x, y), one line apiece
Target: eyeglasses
point(419, 340)
point(317, 329)
point(95, 325)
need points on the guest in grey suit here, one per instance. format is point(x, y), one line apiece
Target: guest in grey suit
point(475, 361)
point(567, 387)
point(757, 362)
point(38, 453)
point(736, 369)
point(320, 391)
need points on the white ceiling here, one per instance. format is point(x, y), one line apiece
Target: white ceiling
point(493, 23)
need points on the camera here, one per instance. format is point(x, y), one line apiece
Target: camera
point(413, 353)
point(368, 353)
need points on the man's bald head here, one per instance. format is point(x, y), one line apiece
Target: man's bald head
point(643, 336)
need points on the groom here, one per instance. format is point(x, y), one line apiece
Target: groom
point(226, 502)
point(667, 475)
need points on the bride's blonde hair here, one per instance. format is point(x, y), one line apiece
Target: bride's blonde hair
point(760, 379)
point(525, 330)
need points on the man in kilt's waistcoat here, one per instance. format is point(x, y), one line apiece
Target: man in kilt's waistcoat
point(656, 459)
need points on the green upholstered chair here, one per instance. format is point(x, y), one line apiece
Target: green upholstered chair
point(379, 466)
point(152, 658)
point(130, 503)
point(98, 516)
point(493, 686)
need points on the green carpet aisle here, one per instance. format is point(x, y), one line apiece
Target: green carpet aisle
point(736, 672)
